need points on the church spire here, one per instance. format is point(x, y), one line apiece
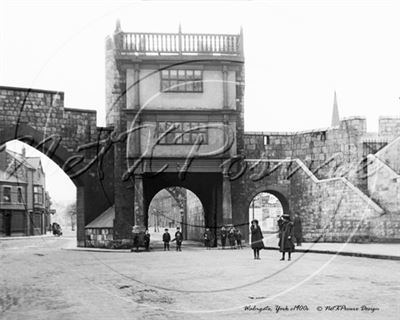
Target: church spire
point(335, 112)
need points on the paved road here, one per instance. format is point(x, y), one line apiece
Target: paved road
point(40, 280)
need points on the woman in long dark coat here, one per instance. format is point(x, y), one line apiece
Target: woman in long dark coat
point(256, 239)
point(286, 237)
point(297, 229)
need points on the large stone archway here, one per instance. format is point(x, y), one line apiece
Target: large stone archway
point(206, 186)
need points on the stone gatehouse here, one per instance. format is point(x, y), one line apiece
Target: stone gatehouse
point(175, 118)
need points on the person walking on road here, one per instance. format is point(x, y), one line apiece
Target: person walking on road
point(286, 237)
point(297, 229)
point(166, 238)
point(256, 239)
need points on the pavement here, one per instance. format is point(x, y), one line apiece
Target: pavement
point(388, 251)
point(43, 278)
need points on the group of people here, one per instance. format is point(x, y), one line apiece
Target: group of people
point(146, 241)
point(288, 232)
point(178, 238)
point(233, 235)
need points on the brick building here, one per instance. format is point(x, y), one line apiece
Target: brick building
point(25, 206)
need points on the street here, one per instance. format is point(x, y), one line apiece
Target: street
point(44, 278)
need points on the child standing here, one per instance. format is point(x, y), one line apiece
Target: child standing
point(178, 238)
point(166, 238)
point(147, 240)
point(239, 239)
point(231, 237)
point(207, 239)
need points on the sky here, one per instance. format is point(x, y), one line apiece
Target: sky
point(297, 53)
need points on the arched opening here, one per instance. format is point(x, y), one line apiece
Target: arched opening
point(176, 206)
point(32, 198)
point(266, 208)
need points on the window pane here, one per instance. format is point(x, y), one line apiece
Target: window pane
point(189, 74)
point(180, 86)
point(173, 85)
point(186, 138)
point(173, 74)
point(181, 74)
point(197, 86)
point(186, 126)
point(194, 137)
point(178, 138)
point(203, 137)
point(165, 74)
point(178, 127)
point(197, 74)
point(19, 195)
point(170, 138)
point(6, 194)
point(189, 86)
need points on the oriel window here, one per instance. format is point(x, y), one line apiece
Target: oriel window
point(182, 132)
point(182, 80)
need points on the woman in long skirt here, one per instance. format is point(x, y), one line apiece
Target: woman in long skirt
point(286, 237)
point(256, 239)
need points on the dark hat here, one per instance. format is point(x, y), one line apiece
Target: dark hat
point(165, 229)
point(177, 227)
point(255, 220)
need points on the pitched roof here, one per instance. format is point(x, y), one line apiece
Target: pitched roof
point(105, 220)
point(17, 156)
point(34, 161)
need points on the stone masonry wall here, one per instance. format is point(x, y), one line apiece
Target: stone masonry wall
point(44, 111)
point(384, 185)
point(327, 152)
point(38, 117)
point(331, 209)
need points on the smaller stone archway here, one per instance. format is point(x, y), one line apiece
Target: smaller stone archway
point(279, 192)
point(266, 205)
